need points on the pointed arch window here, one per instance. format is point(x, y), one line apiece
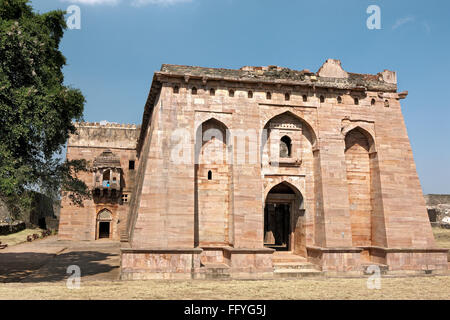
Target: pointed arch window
point(285, 147)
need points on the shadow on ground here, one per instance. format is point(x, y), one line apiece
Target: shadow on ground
point(29, 267)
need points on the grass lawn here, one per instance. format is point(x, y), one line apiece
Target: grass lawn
point(442, 237)
point(433, 287)
point(19, 237)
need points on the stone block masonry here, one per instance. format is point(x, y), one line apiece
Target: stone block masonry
point(236, 166)
point(110, 150)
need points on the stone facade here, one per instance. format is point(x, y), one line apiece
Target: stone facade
point(236, 165)
point(109, 150)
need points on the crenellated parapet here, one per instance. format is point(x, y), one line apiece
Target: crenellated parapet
point(107, 125)
point(104, 135)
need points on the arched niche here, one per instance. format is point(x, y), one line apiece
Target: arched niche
point(212, 184)
point(312, 137)
point(286, 129)
point(359, 170)
point(365, 130)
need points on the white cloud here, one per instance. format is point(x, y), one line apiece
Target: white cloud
point(140, 3)
point(94, 2)
point(402, 21)
point(427, 27)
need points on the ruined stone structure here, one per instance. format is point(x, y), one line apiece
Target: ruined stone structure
point(438, 206)
point(236, 169)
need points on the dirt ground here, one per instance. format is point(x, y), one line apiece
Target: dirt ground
point(333, 288)
point(442, 237)
point(47, 260)
point(38, 270)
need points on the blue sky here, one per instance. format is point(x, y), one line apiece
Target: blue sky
point(122, 42)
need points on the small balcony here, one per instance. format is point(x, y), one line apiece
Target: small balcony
point(107, 175)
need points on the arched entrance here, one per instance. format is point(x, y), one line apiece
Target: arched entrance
point(282, 210)
point(104, 219)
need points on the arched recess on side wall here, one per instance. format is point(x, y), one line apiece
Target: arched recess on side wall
point(364, 129)
point(364, 189)
point(212, 184)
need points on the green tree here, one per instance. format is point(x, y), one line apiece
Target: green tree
point(36, 108)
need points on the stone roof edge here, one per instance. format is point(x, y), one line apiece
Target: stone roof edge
point(354, 81)
point(313, 80)
point(107, 125)
point(153, 93)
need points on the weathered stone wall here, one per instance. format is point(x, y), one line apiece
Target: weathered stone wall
point(90, 141)
point(436, 199)
point(6, 229)
point(42, 212)
point(361, 193)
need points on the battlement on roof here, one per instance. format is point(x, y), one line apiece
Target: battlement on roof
point(330, 75)
point(106, 125)
point(104, 135)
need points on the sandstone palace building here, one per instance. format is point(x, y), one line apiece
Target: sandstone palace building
point(242, 172)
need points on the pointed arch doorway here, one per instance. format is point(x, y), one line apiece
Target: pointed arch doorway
point(104, 227)
point(282, 210)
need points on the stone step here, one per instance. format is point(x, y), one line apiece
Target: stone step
point(288, 258)
point(296, 273)
point(295, 265)
point(124, 236)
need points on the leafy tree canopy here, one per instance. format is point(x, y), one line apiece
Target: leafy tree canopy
point(36, 108)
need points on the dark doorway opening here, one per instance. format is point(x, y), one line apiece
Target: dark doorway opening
point(277, 226)
point(103, 231)
point(42, 223)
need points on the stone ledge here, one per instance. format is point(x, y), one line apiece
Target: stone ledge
point(289, 105)
point(249, 250)
point(238, 250)
point(162, 250)
point(414, 250)
point(335, 249)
